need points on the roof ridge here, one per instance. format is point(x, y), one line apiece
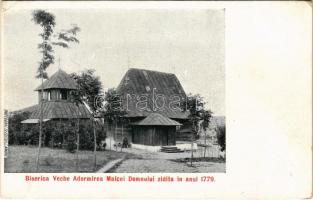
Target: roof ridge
point(132, 68)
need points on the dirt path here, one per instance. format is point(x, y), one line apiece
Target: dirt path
point(158, 162)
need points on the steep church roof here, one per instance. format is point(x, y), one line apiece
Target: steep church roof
point(61, 110)
point(156, 119)
point(59, 80)
point(138, 82)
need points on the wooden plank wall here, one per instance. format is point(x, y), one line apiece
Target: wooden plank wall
point(142, 135)
point(119, 132)
point(154, 136)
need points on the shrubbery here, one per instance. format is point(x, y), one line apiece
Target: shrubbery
point(71, 143)
point(56, 133)
point(221, 137)
point(17, 134)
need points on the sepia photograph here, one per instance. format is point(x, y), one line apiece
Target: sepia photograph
point(132, 99)
point(114, 91)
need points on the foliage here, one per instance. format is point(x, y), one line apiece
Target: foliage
point(27, 134)
point(86, 135)
point(194, 104)
point(113, 110)
point(221, 137)
point(206, 118)
point(31, 134)
point(49, 130)
point(71, 142)
point(66, 36)
point(16, 131)
point(89, 89)
point(47, 22)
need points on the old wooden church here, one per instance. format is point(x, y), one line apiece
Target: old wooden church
point(152, 101)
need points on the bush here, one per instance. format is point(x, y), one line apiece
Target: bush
point(86, 136)
point(16, 129)
point(56, 133)
point(221, 137)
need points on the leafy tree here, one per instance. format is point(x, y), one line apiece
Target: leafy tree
point(113, 111)
point(206, 118)
point(194, 104)
point(89, 91)
point(64, 37)
point(46, 21)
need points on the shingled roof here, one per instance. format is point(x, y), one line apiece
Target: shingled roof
point(156, 119)
point(60, 80)
point(61, 110)
point(142, 82)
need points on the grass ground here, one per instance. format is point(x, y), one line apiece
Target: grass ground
point(22, 159)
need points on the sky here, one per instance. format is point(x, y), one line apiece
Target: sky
point(188, 43)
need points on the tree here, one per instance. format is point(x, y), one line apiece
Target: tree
point(46, 21)
point(74, 96)
point(113, 111)
point(221, 137)
point(194, 104)
point(206, 118)
point(89, 91)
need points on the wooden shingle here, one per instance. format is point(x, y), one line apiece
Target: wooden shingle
point(62, 110)
point(156, 119)
point(137, 82)
point(60, 80)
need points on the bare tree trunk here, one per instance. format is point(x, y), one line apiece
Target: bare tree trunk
point(110, 136)
point(40, 125)
point(115, 135)
point(122, 139)
point(59, 129)
point(77, 148)
point(192, 139)
point(204, 144)
point(95, 144)
point(191, 157)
